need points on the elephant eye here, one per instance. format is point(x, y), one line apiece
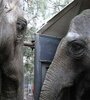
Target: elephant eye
point(76, 48)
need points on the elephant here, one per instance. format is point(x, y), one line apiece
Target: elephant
point(11, 58)
point(68, 76)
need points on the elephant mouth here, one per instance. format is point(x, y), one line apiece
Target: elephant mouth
point(82, 87)
point(80, 90)
point(86, 95)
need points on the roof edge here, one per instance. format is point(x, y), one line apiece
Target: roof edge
point(57, 16)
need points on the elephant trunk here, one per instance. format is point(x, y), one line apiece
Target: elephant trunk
point(59, 75)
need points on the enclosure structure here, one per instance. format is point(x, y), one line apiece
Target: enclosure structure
point(50, 36)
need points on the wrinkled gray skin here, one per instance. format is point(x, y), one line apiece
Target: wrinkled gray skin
point(68, 77)
point(11, 59)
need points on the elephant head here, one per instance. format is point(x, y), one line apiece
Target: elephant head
point(68, 76)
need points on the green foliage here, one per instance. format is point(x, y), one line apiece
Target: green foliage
point(28, 59)
point(39, 11)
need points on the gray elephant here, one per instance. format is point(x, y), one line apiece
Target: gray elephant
point(68, 77)
point(11, 59)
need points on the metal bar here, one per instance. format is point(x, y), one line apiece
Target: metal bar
point(37, 70)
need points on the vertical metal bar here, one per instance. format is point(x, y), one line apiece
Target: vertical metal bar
point(37, 70)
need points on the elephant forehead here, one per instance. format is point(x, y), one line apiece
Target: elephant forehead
point(72, 35)
point(80, 25)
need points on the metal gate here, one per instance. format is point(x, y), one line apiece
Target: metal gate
point(45, 48)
